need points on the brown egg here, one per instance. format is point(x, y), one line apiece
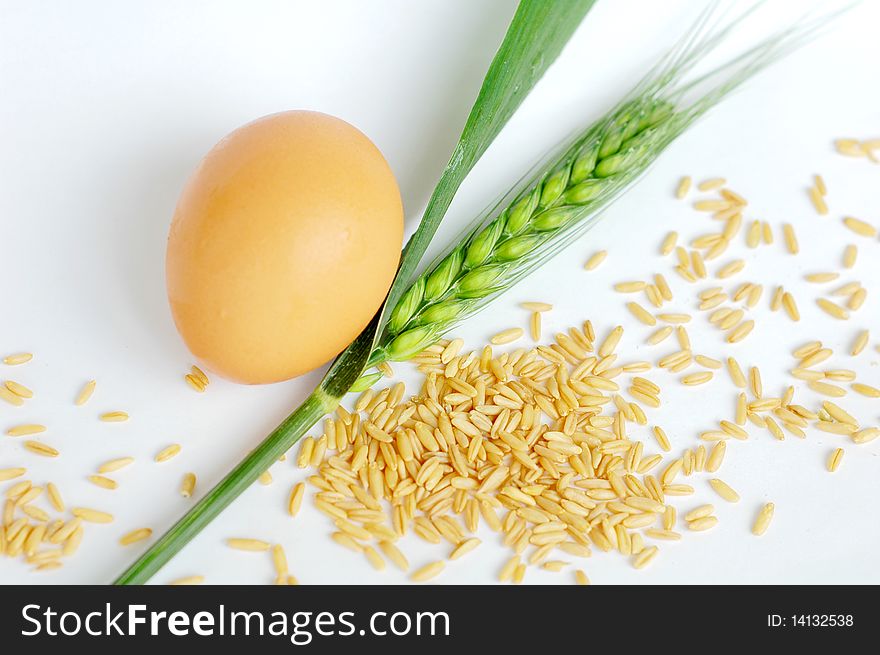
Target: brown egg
point(283, 246)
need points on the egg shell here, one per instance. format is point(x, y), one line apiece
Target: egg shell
point(283, 246)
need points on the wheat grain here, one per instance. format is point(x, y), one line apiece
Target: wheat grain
point(659, 335)
point(843, 429)
point(724, 490)
point(730, 269)
point(865, 436)
point(857, 299)
point(595, 260)
point(641, 314)
point(114, 417)
point(736, 374)
point(834, 460)
point(838, 413)
point(11, 398)
point(677, 318)
point(18, 389)
point(85, 393)
point(429, 571)
point(91, 515)
point(847, 289)
point(807, 349)
point(708, 362)
point(832, 309)
point(815, 357)
point(860, 227)
point(699, 512)
point(711, 184)
point(188, 580)
point(684, 185)
point(818, 201)
point(866, 390)
point(11, 473)
point(255, 545)
point(103, 482)
point(790, 306)
point(26, 429)
point(703, 523)
point(115, 464)
point(24, 492)
point(464, 547)
point(645, 557)
point(698, 265)
point(753, 234)
point(791, 242)
point(168, 452)
point(135, 536)
point(755, 382)
point(188, 485)
point(697, 378)
point(668, 244)
point(850, 253)
point(716, 457)
point(195, 383)
point(535, 326)
point(536, 306)
point(740, 332)
point(374, 558)
point(394, 555)
point(200, 375)
point(17, 359)
point(41, 449)
point(762, 521)
point(630, 287)
point(506, 336)
point(581, 578)
point(296, 497)
point(821, 277)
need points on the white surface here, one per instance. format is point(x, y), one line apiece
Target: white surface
point(107, 107)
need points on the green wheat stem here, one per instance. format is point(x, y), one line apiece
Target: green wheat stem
point(236, 481)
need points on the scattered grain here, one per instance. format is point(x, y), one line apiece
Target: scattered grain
point(860, 227)
point(114, 417)
point(594, 261)
point(429, 571)
point(167, 453)
point(834, 459)
point(17, 359)
point(724, 490)
point(135, 536)
point(255, 545)
point(26, 429)
point(762, 521)
point(188, 485)
point(189, 580)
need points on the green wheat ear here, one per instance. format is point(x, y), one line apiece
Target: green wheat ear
point(494, 255)
point(550, 208)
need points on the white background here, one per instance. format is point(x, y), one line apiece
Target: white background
point(106, 107)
